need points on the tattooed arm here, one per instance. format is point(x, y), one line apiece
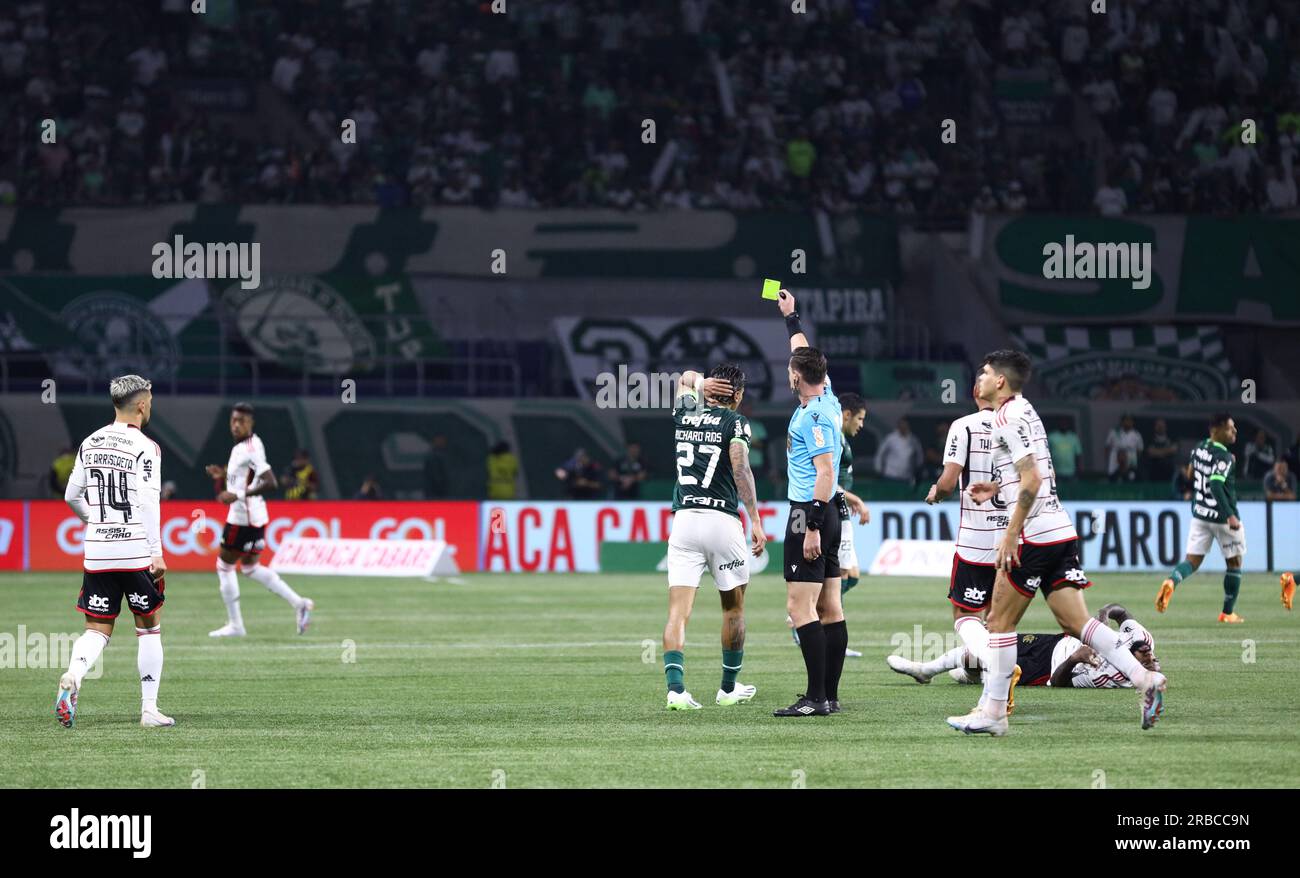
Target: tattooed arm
point(748, 493)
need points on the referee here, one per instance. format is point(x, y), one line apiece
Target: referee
point(812, 531)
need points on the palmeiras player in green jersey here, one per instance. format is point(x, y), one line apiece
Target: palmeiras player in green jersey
point(713, 478)
point(1214, 517)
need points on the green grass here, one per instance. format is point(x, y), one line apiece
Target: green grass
point(542, 678)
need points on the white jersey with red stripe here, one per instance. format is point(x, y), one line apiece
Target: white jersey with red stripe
point(114, 489)
point(970, 446)
point(1086, 675)
point(1017, 433)
point(247, 462)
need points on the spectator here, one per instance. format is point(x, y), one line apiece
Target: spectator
point(581, 476)
point(899, 455)
point(61, 470)
point(934, 452)
point(301, 479)
point(1124, 438)
point(437, 469)
point(1292, 455)
point(1124, 469)
point(1066, 449)
point(1279, 484)
point(627, 475)
point(370, 489)
point(502, 472)
point(1259, 456)
point(1183, 482)
point(1161, 453)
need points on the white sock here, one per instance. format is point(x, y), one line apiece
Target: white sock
point(976, 637)
point(997, 679)
point(229, 581)
point(1110, 646)
point(951, 659)
point(274, 584)
point(85, 652)
point(149, 661)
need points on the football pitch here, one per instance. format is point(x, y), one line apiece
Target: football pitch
point(547, 681)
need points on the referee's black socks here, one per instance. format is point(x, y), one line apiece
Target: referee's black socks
point(812, 641)
point(837, 641)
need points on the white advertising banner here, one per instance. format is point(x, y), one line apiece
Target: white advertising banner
point(364, 557)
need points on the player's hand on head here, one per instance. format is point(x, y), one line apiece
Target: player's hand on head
point(717, 387)
point(785, 301)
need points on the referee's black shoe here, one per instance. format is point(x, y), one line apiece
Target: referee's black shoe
point(833, 705)
point(805, 706)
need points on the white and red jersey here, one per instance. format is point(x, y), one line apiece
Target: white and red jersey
point(1018, 432)
point(114, 488)
point(247, 462)
point(1086, 675)
point(970, 446)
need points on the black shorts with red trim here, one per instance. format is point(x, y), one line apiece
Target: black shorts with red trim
point(101, 593)
point(827, 565)
point(1049, 567)
point(971, 585)
point(243, 538)
point(1034, 655)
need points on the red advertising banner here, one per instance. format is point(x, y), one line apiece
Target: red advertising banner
point(191, 532)
point(12, 535)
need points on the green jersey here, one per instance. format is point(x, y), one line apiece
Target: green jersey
point(1214, 482)
point(703, 435)
point(846, 466)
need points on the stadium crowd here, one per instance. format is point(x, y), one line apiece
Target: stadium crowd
point(1135, 110)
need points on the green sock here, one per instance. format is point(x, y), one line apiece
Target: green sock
point(847, 583)
point(1231, 588)
point(674, 670)
point(731, 661)
point(1181, 572)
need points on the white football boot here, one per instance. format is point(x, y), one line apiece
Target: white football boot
point(741, 693)
point(304, 614)
point(910, 668)
point(977, 722)
point(1152, 692)
point(155, 719)
point(228, 630)
point(682, 701)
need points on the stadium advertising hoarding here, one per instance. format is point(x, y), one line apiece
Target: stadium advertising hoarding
point(191, 532)
point(562, 537)
point(1117, 536)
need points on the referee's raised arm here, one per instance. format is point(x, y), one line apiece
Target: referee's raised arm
point(787, 305)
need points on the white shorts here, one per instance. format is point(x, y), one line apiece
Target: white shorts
point(848, 555)
point(707, 539)
point(1231, 542)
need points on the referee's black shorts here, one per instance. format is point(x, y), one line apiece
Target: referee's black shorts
point(827, 565)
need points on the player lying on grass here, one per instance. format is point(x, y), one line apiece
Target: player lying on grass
point(1037, 551)
point(967, 457)
point(248, 478)
point(1048, 659)
point(114, 489)
point(713, 477)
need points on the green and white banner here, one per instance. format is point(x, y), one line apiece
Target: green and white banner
point(369, 242)
point(98, 326)
point(1206, 269)
point(1154, 363)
